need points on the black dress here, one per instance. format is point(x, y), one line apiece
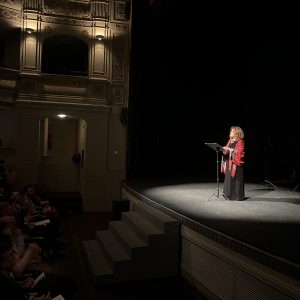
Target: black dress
point(233, 186)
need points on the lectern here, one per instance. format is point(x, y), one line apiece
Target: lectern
point(217, 148)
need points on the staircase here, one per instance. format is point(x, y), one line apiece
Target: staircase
point(143, 244)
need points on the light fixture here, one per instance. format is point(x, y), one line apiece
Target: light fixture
point(62, 116)
point(100, 37)
point(29, 30)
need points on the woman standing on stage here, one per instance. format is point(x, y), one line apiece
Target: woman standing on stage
point(232, 165)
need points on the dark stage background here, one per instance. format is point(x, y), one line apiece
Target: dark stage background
point(196, 69)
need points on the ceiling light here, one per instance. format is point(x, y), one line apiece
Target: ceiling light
point(62, 116)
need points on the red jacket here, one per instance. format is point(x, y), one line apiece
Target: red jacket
point(235, 158)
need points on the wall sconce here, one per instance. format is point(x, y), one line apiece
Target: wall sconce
point(100, 37)
point(29, 30)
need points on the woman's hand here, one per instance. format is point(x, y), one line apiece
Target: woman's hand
point(228, 149)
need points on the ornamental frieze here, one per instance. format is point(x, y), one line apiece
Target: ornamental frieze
point(16, 4)
point(65, 21)
point(118, 58)
point(8, 84)
point(67, 8)
point(118, 64)
point(10, 14)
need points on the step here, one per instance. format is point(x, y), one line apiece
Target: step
point(144, 244)
point(130, 241)
point(163, 221)
point(96, 261)
point(111, 247)
point(91, 247)
point(143, 228)
point(102, 272)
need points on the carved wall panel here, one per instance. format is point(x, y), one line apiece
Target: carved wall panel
point(12, 15)
point(30, 52)
point(67, 8)
point(119, 27)
point(120, 11)
point(118, 60)
point(117, 94)
point(32, 5)
point(15, 4)
point(7, 84)
point(98, 62)
point(65, 21)
point(100, 10)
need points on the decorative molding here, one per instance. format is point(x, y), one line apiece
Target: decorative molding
point(120, 10)
point(10, 14)
point(67, 8)
point(8, 84)
point(120, 27)
point(66, 21)
point(100, 10)
point(33, 5)
point(118, 60)
point(15, 4)
point(117, 94)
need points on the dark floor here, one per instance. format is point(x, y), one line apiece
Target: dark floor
point(82, 226)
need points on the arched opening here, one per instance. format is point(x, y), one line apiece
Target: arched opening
point(10, 47)
point(65, 55)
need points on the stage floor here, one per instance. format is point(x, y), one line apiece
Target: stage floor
point(268, 219)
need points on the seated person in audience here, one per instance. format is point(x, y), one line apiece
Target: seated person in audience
point(19, 243)
point(29, 192)
point(18, 273)
point(21, 234)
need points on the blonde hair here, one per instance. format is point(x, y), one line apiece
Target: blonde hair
point(238, 130)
